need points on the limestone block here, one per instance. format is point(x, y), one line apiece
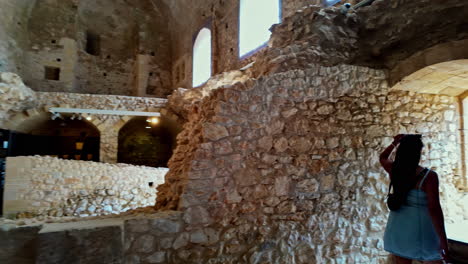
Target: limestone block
point(308, 185)
point(197, 215)
point(165, 226)
point(198, 237)
point(157, 257)
point(144, 244)
point(79, 191)
point(281, 144)
point(265, 143)
point(214, 132)
point(282, 185)
point(181, 241)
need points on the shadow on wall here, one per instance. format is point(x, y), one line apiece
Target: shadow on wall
point(142, 142)
point(64, 137)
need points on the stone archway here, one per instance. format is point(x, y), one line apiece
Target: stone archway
point(433, 58)
point(66, 137)
point(143, 142)
point(446, 85)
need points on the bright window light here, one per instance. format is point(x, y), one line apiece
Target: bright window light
point(256, 18)
point(202, 57)
point(331, 2)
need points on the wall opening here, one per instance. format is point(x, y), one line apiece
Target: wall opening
point(330, 2)
point(147, 143)
point(4, 139)
point(444, 86)
point(255, 19)
point(93, 43)
point(63, 138)
point(51, 73)
point(201, 58)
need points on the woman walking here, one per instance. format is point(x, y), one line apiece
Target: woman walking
point(415, 228)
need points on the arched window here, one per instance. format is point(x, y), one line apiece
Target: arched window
point(256, 18)
point(202, 57)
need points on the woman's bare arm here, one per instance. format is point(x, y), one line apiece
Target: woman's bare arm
point(384, 158)
point(385, 155)
point(435, 210)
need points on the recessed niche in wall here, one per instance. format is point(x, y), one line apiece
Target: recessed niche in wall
point(93, 43)
point(53, 41)
point(51, 73)
point(153, 53)
point(108, 56)
point(150, 89)
point(104, 74)
point(150, 74)
point(58, 59)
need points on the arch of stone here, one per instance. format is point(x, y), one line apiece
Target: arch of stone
point(278, 162)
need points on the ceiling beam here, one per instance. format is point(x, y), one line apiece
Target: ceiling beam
point(101, 112)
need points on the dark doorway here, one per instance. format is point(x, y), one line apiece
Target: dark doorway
point(4, 140)
point(93, 43)
point(62, 138)
point(144, 143)
point(52, 73)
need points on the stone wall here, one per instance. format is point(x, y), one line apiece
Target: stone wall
point(289, 7)
point(41, 186)
point(132, 239)
point(361, 37)
point(39, 34)
point(285, 169)
point(222, 17)
point(13, 33)
point(15, 96)
point(34, 107)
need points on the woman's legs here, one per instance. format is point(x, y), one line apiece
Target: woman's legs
point(400, 260)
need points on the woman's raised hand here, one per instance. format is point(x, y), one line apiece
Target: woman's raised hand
point(398, 138)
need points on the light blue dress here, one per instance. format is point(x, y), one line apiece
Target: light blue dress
point(410, 232)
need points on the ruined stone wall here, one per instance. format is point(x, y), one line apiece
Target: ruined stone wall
point(289, 7)
point(29, 113)
point(360, 37)
point(15, 96)
point(55, 34)
point(13, 33)
point(222, 17)
point(285, 169)
point(46, 186)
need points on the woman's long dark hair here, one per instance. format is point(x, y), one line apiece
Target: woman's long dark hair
point(404, 167)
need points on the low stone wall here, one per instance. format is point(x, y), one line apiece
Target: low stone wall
point(143, 237)
point(55, 187)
